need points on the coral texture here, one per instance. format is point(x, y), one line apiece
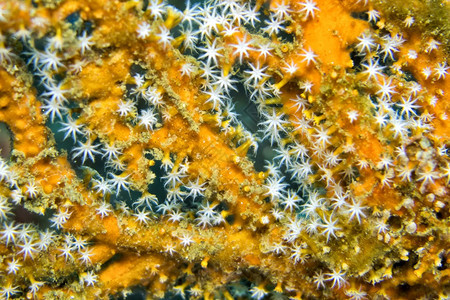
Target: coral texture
point(293, 149)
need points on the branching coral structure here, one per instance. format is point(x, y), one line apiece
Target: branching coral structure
point(135, 165)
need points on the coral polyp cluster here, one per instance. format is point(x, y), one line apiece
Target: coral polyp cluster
point(292, 149)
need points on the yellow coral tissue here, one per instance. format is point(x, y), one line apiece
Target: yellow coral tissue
point(224, 149)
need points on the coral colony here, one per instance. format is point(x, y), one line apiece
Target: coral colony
point(133, 167)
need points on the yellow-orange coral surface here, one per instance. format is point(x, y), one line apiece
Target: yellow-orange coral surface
point(224, 149)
